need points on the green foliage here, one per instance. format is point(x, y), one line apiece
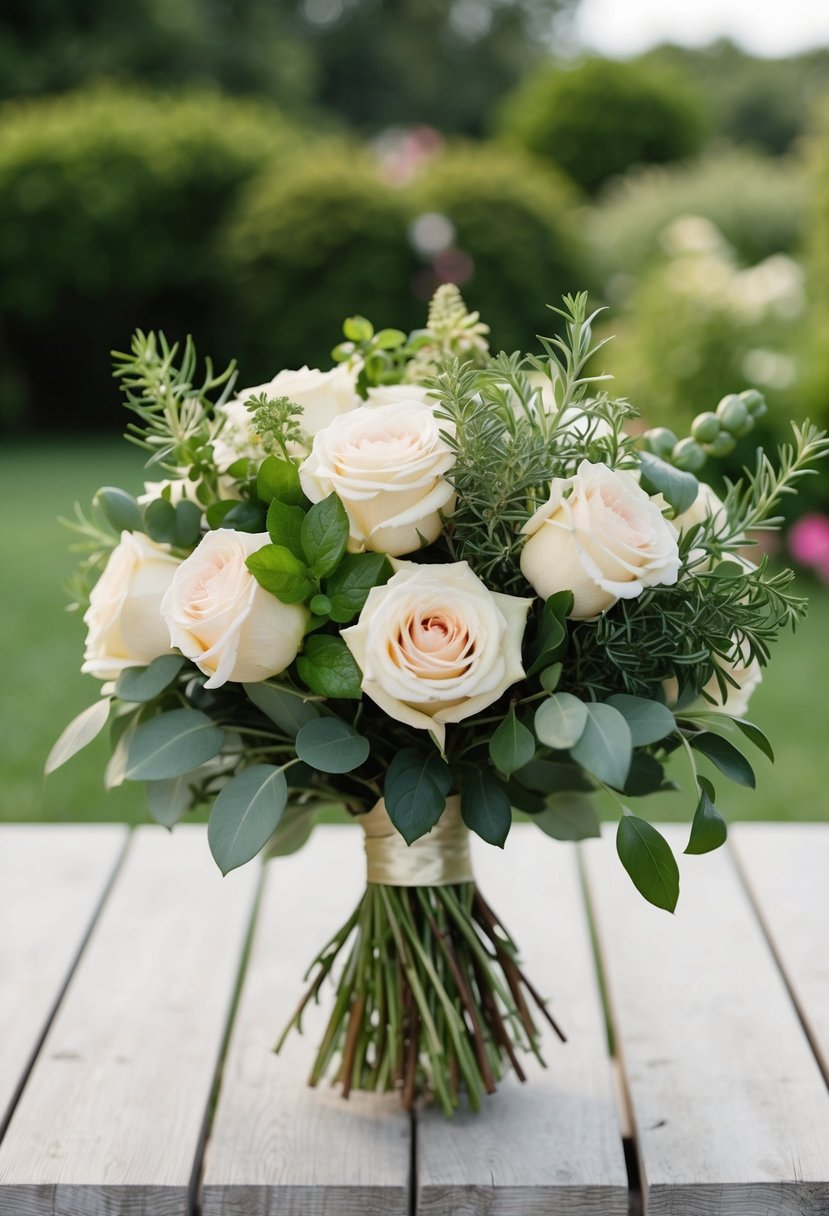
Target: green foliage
point(596, 120)
point(80, 731)
point(647, 857)
point(708, 830)
point(308, 247)
point(758, 204)
point(485, 806)
point(415, 789)
point(117, 197)
point(569, 817)
point(515, 220)
point(246, 814)
point(284, 707)
point(512, 746)
point(171, 744)
point(331, 745)
point(327, 667)
point(604, 747)
point(146, 683)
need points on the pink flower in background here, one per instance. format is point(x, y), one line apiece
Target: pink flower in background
point(809, 543)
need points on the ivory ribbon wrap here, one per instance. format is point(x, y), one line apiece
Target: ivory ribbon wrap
point(435, 860)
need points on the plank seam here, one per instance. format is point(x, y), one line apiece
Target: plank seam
point(6, 1119)
point(754, 901)
point(413, 1195)
point(194, 1190)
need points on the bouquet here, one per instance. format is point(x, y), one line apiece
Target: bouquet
point(437, 588)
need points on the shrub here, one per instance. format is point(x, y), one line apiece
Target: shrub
point(596, 120)
point(308, 248)
point(517, 242)
point(110, 204)
point(816, 390)
point(758, 204)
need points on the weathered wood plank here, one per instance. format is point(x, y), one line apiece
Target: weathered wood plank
point(730, 1109)
point(786, 867)
point(111, 1118)
point(52, 881)
point(277, 1146)
point(553, 1144)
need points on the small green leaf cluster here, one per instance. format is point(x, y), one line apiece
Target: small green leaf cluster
point(379, 356)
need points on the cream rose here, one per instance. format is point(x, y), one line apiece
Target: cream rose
point(393, 394)
point(748, 676)
point(706, 505)
point(220, 617)
point(387, 465)
point(124, 623)
point(322, 395)
point(600, 536)
point(436, 646)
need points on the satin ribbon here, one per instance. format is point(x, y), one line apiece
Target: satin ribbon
point(439, 858)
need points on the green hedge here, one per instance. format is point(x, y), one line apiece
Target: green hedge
point(111, 202)
point(596, 120)
point(515, 220)
point(816, 387)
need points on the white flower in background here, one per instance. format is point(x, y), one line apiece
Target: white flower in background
point(219, 616)
point(576, 419)
point(175, 489)
point(436, 646)
point(600, 536)
point(323, 396)
point(387, 464)
point(706, 505)
point(394, 394)
point(124, 623)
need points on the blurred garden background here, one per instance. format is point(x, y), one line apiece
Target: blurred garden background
point(252, 171)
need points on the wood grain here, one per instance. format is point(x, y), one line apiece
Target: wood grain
point(786, 867)
point(52, 881)
point(111, 1118)
point(276, 1145)
point(553, 1144)
point(730, 1110)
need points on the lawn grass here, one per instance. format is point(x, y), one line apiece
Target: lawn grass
point(42, 688)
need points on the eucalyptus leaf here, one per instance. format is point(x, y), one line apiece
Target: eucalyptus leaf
point(246, 814)
point(169, 800)
point(414, 791)
point(554, 777)
point(649, 721)
point(485, 806)
point(331, 746)
point(187, 524)
point(709, 830)
point(141, 684)
point(160, 521)
point(646, 776)
point(725, 756)
point(605, 748)
point(560, 721)
point(329, 669)
point(569, 817)
point(121, 509)
point(550, 677)
point(680, 489)
point(287, 710)
point(512, 745)
point(80, 731)
point(171, 744)
point(647, 857)
point(293, 832)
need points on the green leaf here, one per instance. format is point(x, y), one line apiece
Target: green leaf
point(551, 640)
point(560, 721)
point(277, 570)
point(569, 817)
point(522, 799)
point(755, 736)
point(358, 329)
point(605, 748)
point(325, 535)
point(243, 517)
point(512, 745)
point(246, 814)
point(287, 710)
point(389, 339)
point(121, 509)
point(658, 477)
point(187, 524)
point(728, 570)
point(550, 677)
point(328, 668)
point(285, 526)
point(331, 746)
point(169, 800)
point(171, 744)
point(485, 807)
point(293, 832)
point(709, 829)
point(146, 683)
point(725, 756)
point(279, 479)
point(647, 857)
point(216, 512)
point(80, 731)
point(646, 776)
point(415, 790)
point(160, 521)
point(649, 721)
point(349, 585)
point(554, 777)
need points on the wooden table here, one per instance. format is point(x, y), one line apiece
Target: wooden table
point(136, 1075)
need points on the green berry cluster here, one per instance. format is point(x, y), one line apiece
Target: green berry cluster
point(713, 433)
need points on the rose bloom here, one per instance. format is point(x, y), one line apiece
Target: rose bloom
point(393, 394)
point(600, 536)
point(706, 505)
point(387, 465)
point(322, 395)
point(220, 617)
point(436, 646)
point(124, 623)
point(748, 675)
